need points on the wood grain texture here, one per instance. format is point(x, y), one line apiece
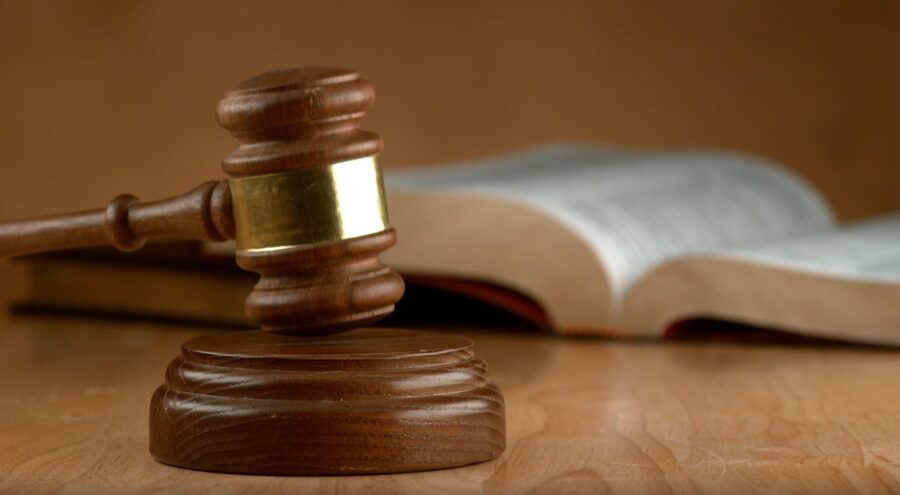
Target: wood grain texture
point(298, 410)
point(202, 213)
point(291, 417)
point(323, 288)
point(295, 118)
point(293, 399)
point(365, 401)
point(583, 416)
point(289, 119)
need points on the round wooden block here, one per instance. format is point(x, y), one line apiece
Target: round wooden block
point(361, 402)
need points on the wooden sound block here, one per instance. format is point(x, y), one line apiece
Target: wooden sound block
point(361, 402)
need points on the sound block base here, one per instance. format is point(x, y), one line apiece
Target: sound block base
point(362, 402)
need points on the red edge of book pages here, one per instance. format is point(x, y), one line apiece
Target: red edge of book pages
point(508, 300)
point(516, 303)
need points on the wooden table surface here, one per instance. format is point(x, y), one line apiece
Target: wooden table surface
point(584, 416)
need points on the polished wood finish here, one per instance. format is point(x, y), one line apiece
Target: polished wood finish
point(298, 118)
point(202, 213)
point(584, 416)
point(288, 119)
point(278, 401)
point(295, 399)
point(365, 401)
point(295, 118)
point(323, 288)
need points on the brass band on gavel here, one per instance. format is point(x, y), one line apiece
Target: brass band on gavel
point(308, 206)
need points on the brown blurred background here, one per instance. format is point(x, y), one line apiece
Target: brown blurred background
point(104, 97)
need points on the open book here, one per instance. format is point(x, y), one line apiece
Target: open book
point(610, 242)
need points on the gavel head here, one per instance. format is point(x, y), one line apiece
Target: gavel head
point(308, 200)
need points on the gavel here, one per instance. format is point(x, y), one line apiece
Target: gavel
point(311, 393)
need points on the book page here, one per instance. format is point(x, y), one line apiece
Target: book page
point(640, 209)
point(867, 251)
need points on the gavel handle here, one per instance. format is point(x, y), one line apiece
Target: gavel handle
point(202, 213)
